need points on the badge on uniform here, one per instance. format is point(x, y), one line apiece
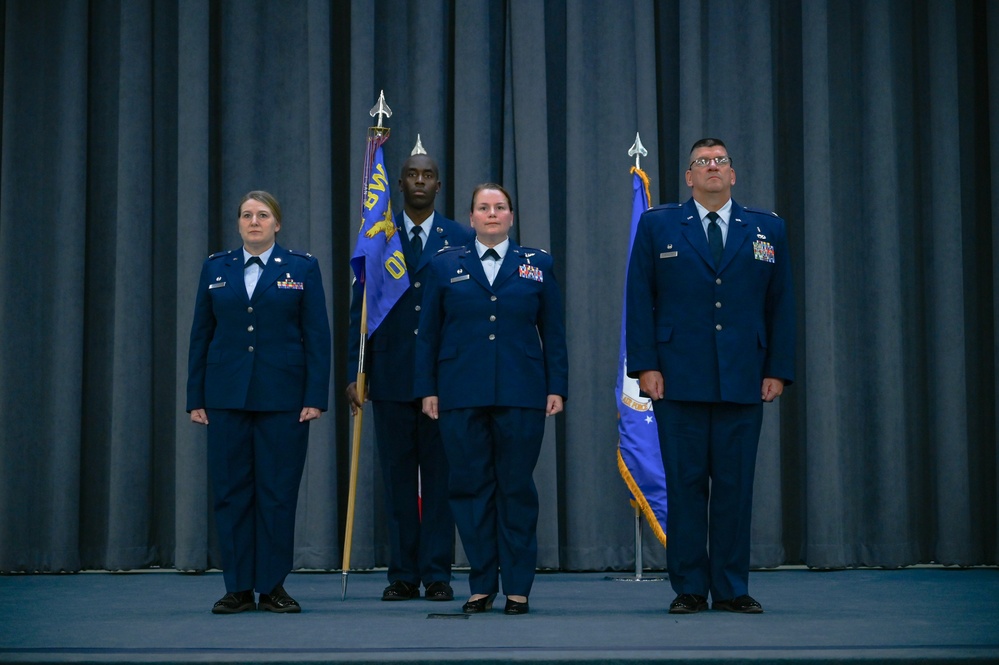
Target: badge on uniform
point(531, 272)
point(668, 255)
point(763, 251)
point(216, 285)
point(289, 283)
point(460, 278)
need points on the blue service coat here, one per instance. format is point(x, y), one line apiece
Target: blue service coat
point(270, 352)
point(492, 345)
point(390, 350)
point(713, 333)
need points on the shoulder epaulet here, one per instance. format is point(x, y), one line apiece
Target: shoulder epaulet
point(449, 248)
point(666, 206)
point(297, 252)
point(760, 211)
point(218, 255)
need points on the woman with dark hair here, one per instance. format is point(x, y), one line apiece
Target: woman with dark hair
point(491, 365)
point(258, 373)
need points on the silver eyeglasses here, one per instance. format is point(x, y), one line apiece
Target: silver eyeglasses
point(704, 161)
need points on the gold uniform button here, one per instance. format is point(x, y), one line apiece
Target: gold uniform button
point(492, 317)
point(492, 298)
point(417, 308)
point(717, 305)
point(249, 310)
point(416, 285)
point(492, 337)
point(250, 349)
point(249, 329)
point(718, 327)
point(718, 280)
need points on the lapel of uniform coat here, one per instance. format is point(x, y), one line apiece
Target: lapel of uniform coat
point(693, 231)
point(510, 263)
point(738, 232)
point(472, 264)
point(434, 237)
point(234, 273)
point(269, 276)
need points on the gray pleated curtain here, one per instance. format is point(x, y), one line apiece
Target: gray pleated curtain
point(130, 128)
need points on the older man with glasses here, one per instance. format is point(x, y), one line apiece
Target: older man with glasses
point(710, 337)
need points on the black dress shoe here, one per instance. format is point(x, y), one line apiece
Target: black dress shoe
point(400, 590)
point(516, 607)
point(479, 605)
point(439, 591)
point(688, 603)
point(233, 603)
point(742, 605)
point(278, 600)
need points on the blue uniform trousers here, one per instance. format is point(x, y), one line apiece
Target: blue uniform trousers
point(702, 442)
point(409, 443)
point(255, 462)
point(492, 452)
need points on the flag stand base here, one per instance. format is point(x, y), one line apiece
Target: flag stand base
point(638, 576)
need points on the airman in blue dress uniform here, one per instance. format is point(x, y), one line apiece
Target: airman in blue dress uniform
point(710, 337)
point(491, 364)
point(414, 466)
point(258, 372)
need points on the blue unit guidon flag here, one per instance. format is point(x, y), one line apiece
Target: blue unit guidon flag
point(638, 456)
point(378, 261)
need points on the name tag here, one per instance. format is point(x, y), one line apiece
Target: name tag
point(668, 255)
point(215, 285)
point(460, 278)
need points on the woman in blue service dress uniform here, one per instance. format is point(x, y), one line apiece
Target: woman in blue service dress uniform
point(258, 373)
point(491, 364)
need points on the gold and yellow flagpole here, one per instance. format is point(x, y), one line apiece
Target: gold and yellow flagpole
point(376, 136)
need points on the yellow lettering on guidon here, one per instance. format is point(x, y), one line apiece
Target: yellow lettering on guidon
point(377, 184)
point(396, 264)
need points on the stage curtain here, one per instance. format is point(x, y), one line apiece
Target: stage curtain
point(131, 128)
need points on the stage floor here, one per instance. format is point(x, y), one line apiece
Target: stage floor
point(926, 615)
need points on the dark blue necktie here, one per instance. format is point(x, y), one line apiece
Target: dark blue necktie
point(715, 238)
point(490, 253)
point(417, 243)
point(250, 261)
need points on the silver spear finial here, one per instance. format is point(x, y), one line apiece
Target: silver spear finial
point(638, 150)
point(380, 109)
point(418, 149)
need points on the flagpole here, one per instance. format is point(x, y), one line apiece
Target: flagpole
point(355, 449)
point(376, 136)
point(639, 502)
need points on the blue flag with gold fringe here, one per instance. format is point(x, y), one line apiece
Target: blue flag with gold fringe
point(638, 457)
point(378, 261)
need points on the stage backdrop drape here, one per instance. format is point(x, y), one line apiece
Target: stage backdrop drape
point(130, 129)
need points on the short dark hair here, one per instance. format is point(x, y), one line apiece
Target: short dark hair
point(708, 143)
point(411, 158)
point(265, 198)
point(490, 185)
